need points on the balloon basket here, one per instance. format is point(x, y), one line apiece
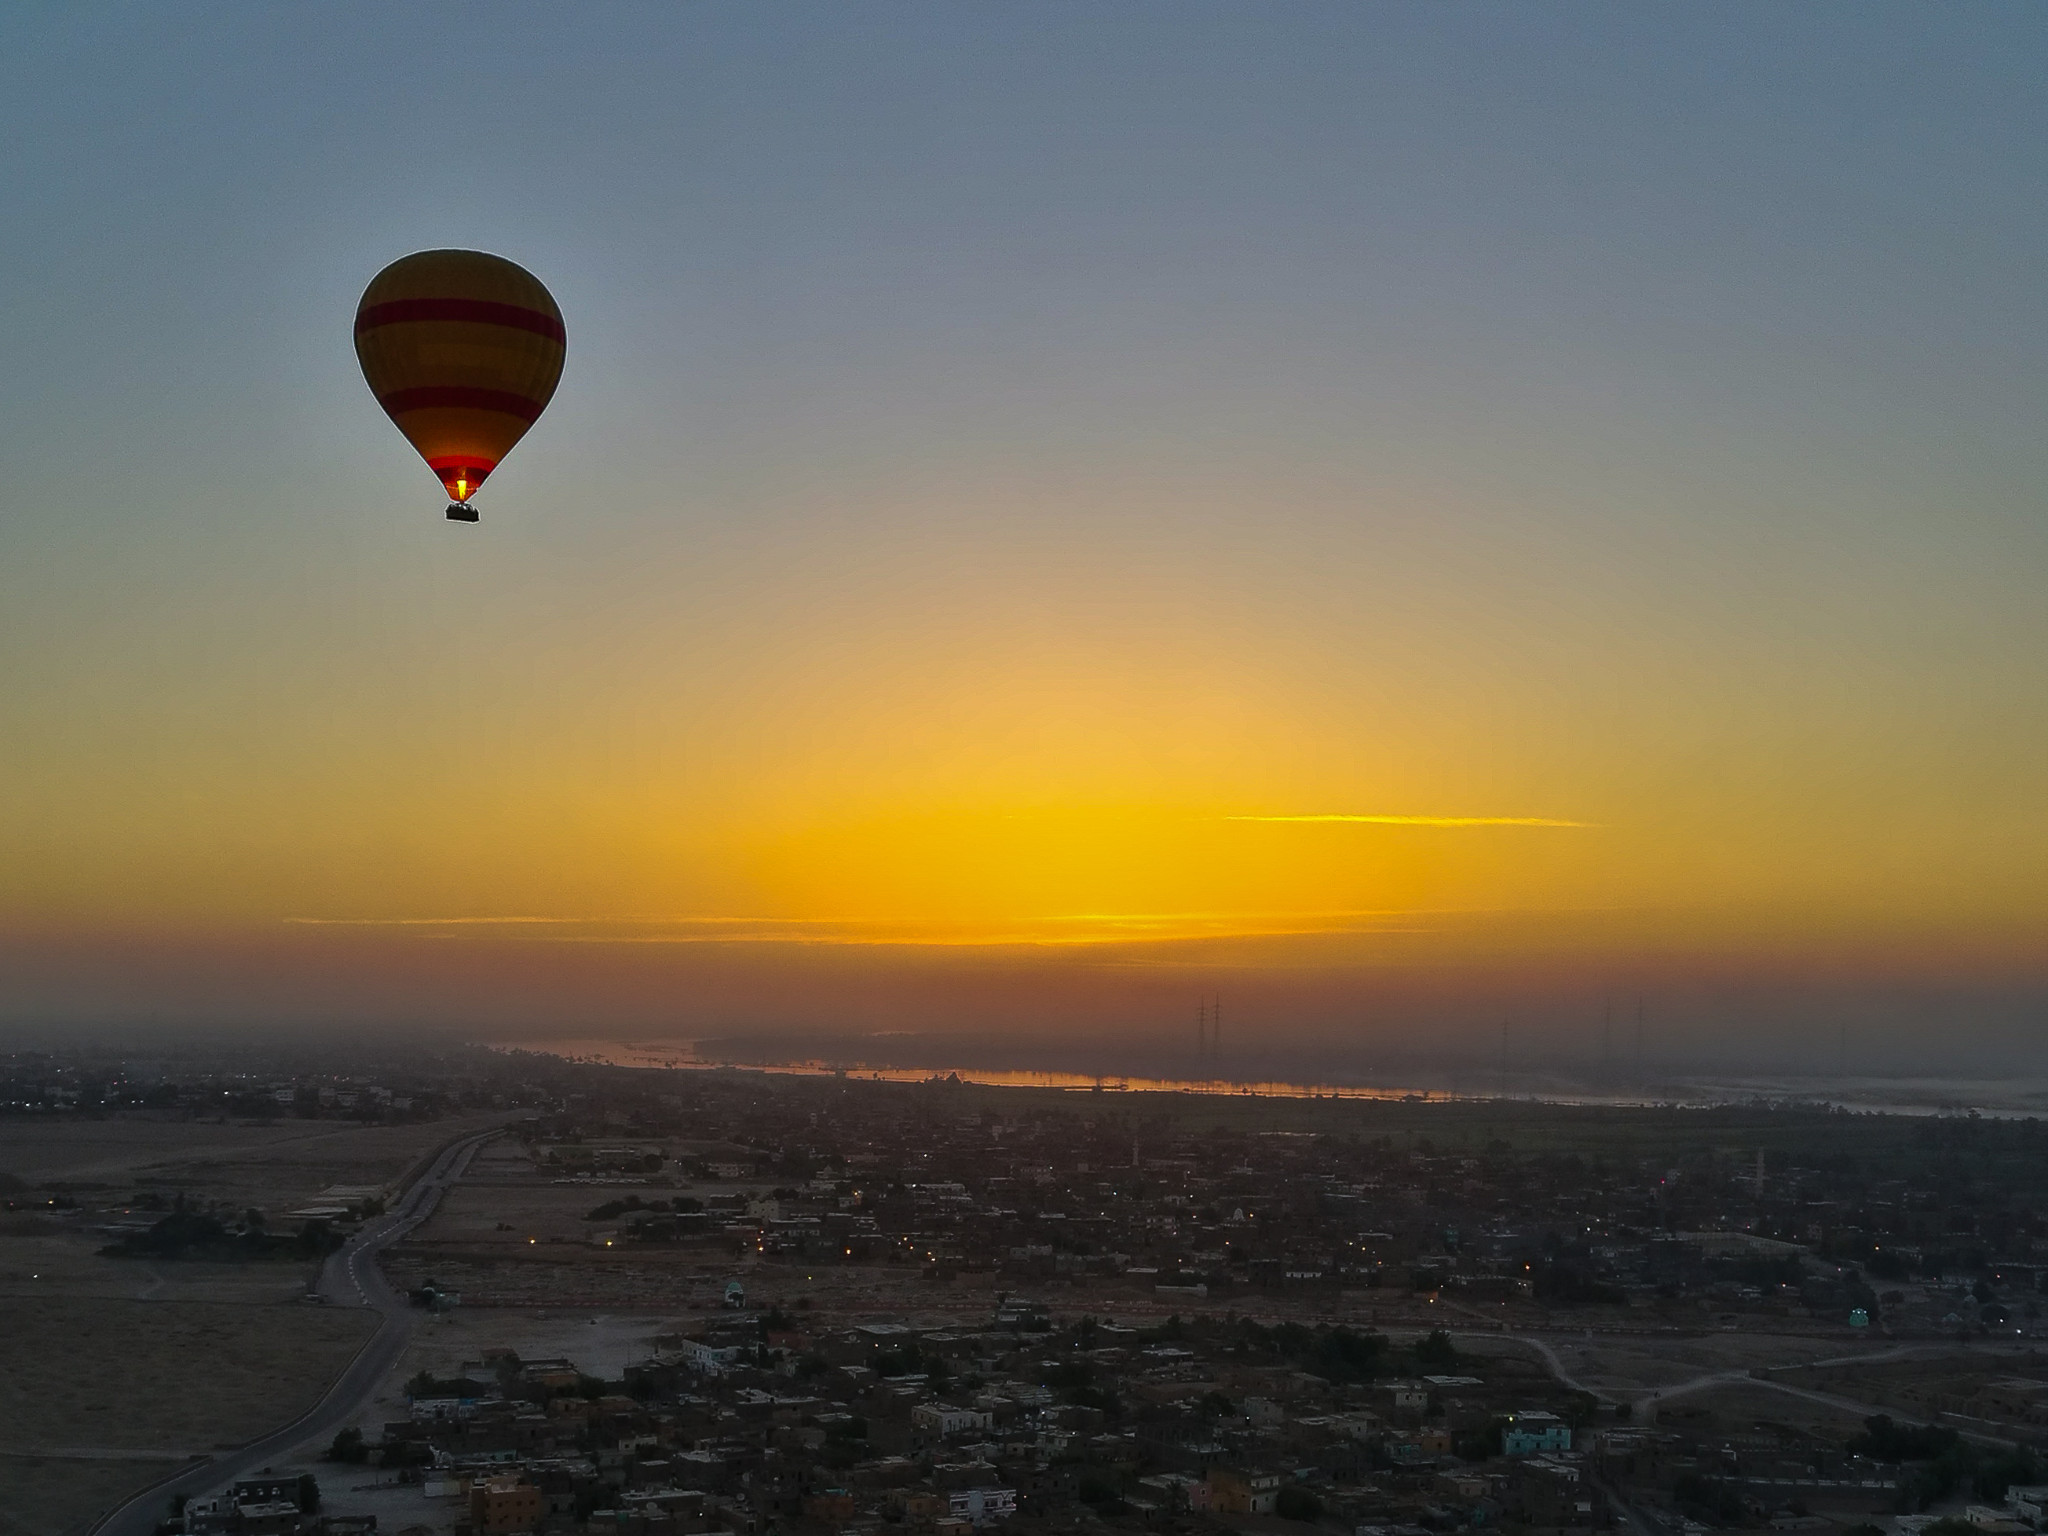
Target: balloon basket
point(461, 512)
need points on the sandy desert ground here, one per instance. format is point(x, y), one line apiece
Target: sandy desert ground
point(113, 1369)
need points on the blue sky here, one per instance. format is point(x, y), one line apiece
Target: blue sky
point(1092, 412)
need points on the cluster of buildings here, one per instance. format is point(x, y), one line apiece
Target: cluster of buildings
point(1936, 1228)
point(1918, 1241)
point(270, 1506)
point(758, 1421)
point(957, 1307)
point(198, 1082)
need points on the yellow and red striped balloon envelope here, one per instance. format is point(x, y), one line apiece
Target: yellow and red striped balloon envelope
point(463, 350)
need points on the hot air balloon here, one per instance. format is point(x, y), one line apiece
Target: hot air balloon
point(463, 350)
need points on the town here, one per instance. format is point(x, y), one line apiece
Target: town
point(720, 1300)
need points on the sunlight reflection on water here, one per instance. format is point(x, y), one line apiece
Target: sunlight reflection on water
point(1909, 1096)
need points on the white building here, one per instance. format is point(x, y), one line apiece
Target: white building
point(944, 1420)
point(982, 1505)
point(2029, 1502)
point(710, 1360)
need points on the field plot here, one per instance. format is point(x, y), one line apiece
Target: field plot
point(104, 1388)
point(70, 1264)
point(111, 1366)
point(1740, 1405)
point(1987, 1388)
point(276, 1163)
point(514, 1234)
point(494, 1216)
point(47, 1496)
point(1626, 1367)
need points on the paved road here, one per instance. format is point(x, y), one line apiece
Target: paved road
point(350, 1277)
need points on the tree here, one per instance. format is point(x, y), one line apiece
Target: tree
point(1581, 1408)
point(2001, 1470)
point(1483, 1444)
point(1570, 1286)
point(1297, 1504)
point(348, 1446)
point(1883, 1439)
point(1436, 1349)
point(1340, 1355)
point(1709, 1496)
point(1100, 1492)
point(309, 1492)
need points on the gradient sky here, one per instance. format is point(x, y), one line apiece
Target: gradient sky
point(1005, 452)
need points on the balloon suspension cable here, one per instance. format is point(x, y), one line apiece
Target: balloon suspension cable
point(461, 512)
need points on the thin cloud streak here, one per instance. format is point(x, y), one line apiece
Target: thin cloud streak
point(998, 940)
point(494, 922)
point(1430, 821)
point(1070, 930)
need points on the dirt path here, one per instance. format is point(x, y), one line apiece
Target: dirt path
point(1647, 1403)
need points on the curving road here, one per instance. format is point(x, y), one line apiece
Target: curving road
point(350, 1277)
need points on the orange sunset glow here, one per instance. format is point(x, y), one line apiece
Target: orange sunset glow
point(1356, 519)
